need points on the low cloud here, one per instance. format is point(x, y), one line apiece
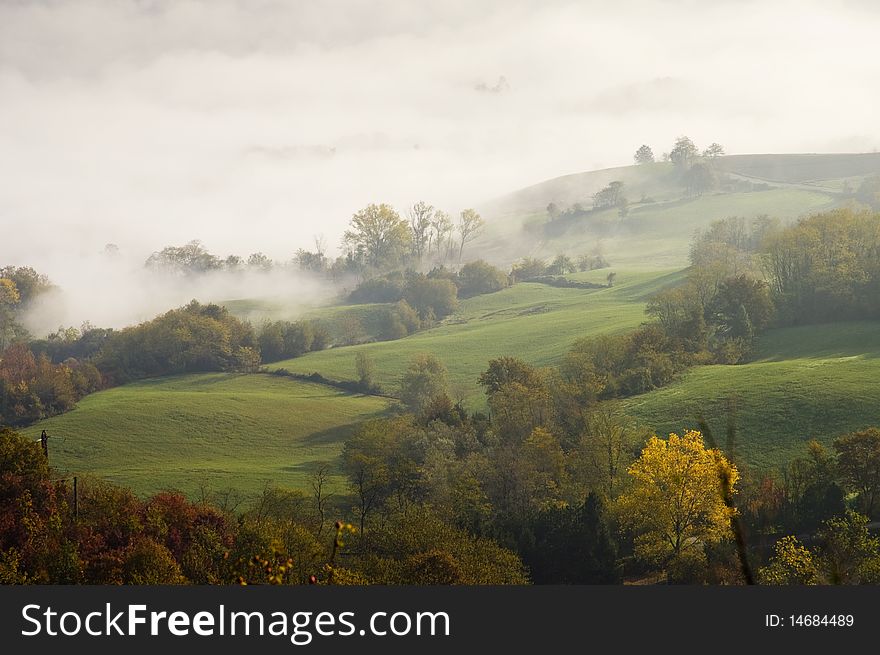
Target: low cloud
point(255, 125)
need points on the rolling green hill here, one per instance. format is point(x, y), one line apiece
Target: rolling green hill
point(214, 430)
point(535, 322)
point(805, 382)
point(661, 222)
point(344, 323)
point(224, 431)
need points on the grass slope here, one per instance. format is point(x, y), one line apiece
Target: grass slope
point(535, 322)
point(336, 319)
point(657, 233)
point(805, 382)
point(217, 430)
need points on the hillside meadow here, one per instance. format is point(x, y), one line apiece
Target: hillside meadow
point(805, 382)
point(214, 431)
point(535, 322)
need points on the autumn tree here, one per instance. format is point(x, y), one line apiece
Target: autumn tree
point(848, 552)
point(28, 282)
point(470, 224)
point(676, 502)
point(791, 564)
point(380, 233)
point(9, 299)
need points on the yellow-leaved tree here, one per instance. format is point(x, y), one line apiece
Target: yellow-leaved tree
point(676, 504)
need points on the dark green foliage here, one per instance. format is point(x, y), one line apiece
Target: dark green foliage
point(561, 265)
point(508, 370)
point(858, 461)
point(365, 368)
point(385, 289)
point(64, 344)
point(826, 267)
point(424, 386)
point(741, 308)
point(432, 298)
point(417, 548)
point(193, 338)
point(848, 553)
point(478, 277)
point(627, 364)
point(527, 268)
point(399, 321)
point(813, 493)
point(573, 545)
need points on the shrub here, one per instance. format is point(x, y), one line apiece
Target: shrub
point(478, 277)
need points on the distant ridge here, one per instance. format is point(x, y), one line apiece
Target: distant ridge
point(803, 168)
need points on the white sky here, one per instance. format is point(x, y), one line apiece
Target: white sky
point(254, 125)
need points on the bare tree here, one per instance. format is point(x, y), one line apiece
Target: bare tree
point(470, 224)
point(441, 229)
point(320, 497)
point(320, 245)
point(420, 215)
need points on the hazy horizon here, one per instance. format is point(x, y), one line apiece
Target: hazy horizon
point(256, 125)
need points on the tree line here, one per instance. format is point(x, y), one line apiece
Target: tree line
point(110, 536)
point(541, 489)
point(377, 240)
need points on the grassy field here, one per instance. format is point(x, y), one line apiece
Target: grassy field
point(656, 234)
point(224, 431)
point(214, 430)
point(805, 382)
point(338, 320)
point(535, 322)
